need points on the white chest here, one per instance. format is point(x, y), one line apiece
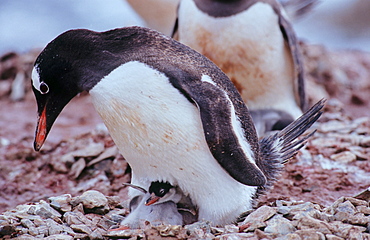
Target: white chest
point(250, 48)
point(160, 134)
point(152, 123)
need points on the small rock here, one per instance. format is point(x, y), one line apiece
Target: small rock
point(81, 228)
point(344, 157)
point(27, 223)
point(117, 215)
point(97, 234)
point(75, 218)
point(257, 218)
point(333, 237)
point(21, 230)
point(33, 231)
point(91, 199)
point(108, 153)
point(39, 222)
point(311, 223)
point(235, 236)
point(59, 237)
point(53, 227)
point(279, 226)
point(205, 226)
point(44, 210)
point(106, 224)
point(169, 230)
point(4, 141)
point(128, 233)
point(79, 208)
point(363, 209)
point(118, 167)
point(91, 150)
point(307, 207)
point(81, 236)
point(343, 229)
point(26, 237)
point(231, 229)
point(290, 236)
point(365, 142)
point(332, 126)
point(113, 201)
point(77, 167)
point(197, 234)
point(284, 210)
point(357, 202)
point(311, 234)
point(344, 211)
point(358, 219)
point(43, 231)
point(61, 203)
point(355, 233)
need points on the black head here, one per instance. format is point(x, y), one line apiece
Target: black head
point(160, 188)
point(73, 62)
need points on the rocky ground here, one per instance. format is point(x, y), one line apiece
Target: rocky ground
point(314, 196)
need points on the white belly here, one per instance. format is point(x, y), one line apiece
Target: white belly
point(159, 132)
point(250, 49)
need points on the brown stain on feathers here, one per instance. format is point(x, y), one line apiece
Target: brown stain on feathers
point(241, 62)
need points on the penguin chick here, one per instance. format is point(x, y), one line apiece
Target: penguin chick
point(157, 206)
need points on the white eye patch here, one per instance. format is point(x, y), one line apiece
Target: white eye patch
point(35, 78)
point(42, 87)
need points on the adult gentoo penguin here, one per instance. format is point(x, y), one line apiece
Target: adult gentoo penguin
point(173, 114)
point(161, 14)
point(255, 45)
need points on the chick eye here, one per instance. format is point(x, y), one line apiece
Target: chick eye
point(161, 192)
point(44, 88)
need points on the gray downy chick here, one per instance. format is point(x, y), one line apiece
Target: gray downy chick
point(162, 204)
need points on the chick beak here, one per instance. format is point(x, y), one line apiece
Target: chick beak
point(152, 199)
point(41, 131)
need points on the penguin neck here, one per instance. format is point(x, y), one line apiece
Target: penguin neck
point(223, 8)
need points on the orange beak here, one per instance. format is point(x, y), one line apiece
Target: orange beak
point(41, 131)
point(153, 199)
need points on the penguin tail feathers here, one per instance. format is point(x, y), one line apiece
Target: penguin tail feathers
point(278, 148)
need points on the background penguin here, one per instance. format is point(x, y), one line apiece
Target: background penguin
point(161, 14)
point(173, 114)
point(255, 45)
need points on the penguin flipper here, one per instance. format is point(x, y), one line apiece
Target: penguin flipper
point(292, 41)
point(222, 129)
point(296, 9)
point(175, 30)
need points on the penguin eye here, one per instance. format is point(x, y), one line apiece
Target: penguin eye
point(161, 192)
point(44, 88)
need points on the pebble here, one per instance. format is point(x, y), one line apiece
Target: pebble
point(344, 157)
point(279, 225)
point(91, 199)
point(81, 228)
point(59, 237)
point(80, 218)
point(61, 203)
point(257, 218)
